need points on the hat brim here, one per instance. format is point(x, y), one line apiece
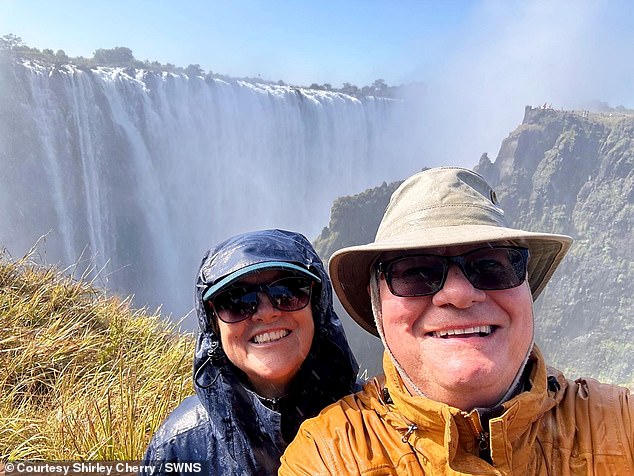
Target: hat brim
point(266, 265)
point(350, 267)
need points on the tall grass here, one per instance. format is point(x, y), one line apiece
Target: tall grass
point(83, 376)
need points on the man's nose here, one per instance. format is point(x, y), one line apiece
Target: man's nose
point(265, 310)
point(458, 290)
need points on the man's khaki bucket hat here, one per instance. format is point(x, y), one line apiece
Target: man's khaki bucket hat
point(445, 206)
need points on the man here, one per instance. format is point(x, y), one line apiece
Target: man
point(448, 287)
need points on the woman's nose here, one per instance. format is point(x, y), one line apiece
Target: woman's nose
point(265, 310)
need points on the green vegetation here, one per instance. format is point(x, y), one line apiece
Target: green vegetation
point(84, 376)
point(378, 88)
point(120, 56)
point(354, 219)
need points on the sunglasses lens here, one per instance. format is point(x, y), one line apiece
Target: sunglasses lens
point(496, 268)
point(290, 294)
point(416, 275)
point(241, 302)
point(236, 304)
point(493, 268)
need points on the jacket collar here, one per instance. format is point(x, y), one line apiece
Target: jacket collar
point(443, 430)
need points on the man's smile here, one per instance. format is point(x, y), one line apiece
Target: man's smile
point(476, 331)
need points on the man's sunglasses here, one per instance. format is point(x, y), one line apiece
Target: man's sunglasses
point(240, 302)
point(491, 268)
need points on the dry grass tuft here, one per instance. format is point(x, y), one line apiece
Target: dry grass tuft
point(85, 377)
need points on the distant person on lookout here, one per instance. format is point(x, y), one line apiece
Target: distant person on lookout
point(270, 353)
point(449, 287)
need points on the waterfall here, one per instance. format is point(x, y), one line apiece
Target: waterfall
point(136, 173)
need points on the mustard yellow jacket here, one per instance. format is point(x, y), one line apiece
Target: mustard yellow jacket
point(557, 427)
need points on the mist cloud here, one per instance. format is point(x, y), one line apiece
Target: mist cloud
point(512, 54)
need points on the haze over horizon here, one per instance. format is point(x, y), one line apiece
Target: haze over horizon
point(482, 61)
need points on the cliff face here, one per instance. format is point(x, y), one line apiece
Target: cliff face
point(573, 173)
point(354, 219)
point(558, 172)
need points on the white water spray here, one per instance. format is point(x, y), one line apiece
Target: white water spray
point(144, 171)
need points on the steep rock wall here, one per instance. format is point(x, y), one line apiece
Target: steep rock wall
point(560, 172)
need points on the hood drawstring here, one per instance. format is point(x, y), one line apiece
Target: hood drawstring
point(215, 352)
point(216, 355)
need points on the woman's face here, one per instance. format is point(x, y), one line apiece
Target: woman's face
point(270, 346)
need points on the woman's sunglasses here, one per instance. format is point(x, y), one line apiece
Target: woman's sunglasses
point(491, 268)
point(239, 303)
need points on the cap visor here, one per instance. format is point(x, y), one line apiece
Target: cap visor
point(227, 280)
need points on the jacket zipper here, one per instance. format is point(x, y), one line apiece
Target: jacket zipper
point(386, 400)
point(482, 437)
point(411, 428)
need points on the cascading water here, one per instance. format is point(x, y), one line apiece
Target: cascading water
point(138, 173)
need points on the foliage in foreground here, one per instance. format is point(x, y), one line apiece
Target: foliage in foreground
point(84, 376)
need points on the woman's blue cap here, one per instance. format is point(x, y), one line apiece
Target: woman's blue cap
point(230, 278)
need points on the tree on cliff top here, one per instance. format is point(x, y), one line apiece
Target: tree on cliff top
point(117, 56)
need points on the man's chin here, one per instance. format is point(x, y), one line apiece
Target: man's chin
point(474, 377)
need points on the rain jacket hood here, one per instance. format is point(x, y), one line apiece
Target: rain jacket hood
point(227, 424)
point(329, 344)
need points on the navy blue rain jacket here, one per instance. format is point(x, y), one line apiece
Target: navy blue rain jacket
point(226, 424)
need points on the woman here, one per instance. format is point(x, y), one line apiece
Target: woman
point(270, 353)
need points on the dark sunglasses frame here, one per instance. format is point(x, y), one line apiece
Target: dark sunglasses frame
point(462, 261)
point(250, 307)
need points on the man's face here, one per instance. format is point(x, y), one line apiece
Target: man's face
point(440, 340)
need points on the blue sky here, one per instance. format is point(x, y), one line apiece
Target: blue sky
point(298, 41)
point(482, 60)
